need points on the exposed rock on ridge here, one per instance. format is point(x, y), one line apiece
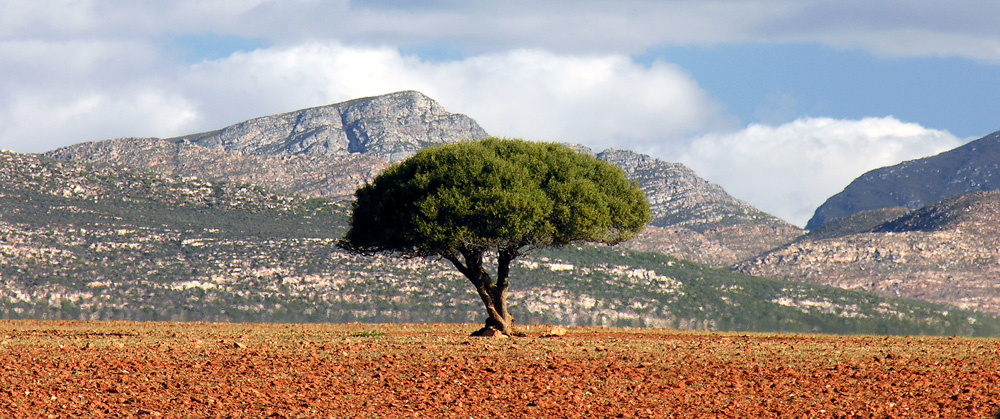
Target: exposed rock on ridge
point(697, 220)
point(324, 151)
point(311, 175)
point(680, 198)
point(948, 253)
point(913, 184)
point(390, 127)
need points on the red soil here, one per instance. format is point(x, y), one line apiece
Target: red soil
point(203, 370)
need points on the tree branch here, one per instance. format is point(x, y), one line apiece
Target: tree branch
point(458, 264)
point(474, 269)
point(504, 258)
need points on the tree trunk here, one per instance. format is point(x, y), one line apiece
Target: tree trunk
point(493, 294)
point(498, 317)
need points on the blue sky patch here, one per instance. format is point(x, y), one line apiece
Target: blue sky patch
point(776, 83)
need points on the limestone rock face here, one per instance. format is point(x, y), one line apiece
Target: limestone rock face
point(948, 253)
point(324, 151)
point(390, 127)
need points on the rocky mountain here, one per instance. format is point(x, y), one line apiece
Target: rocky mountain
point(679, 198)
point(324, 151)
point(390, 127)
point(307, 175)
point(330, 151)
point(697, 220)
point(972, 167)
point(948, 252)
point(99, 242)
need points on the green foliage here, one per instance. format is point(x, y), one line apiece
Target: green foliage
point(495, 194)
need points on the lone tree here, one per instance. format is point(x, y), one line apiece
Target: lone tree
point(494, 197)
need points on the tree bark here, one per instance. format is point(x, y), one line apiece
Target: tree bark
point(493, 294)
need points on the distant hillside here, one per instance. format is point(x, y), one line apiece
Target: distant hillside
point(682, 199)
point(331, 151)
point(972, 167)
point(101, 242)
point(948, 253)
point(324, 151)
point(390, 127)
point(697, 220)
point(859, 222)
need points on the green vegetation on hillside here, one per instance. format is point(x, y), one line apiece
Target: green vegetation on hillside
point(102, 243)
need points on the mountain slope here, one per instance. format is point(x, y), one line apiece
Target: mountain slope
point(697, 220)
point(324, 151)
point(682, 199)
point(390, 127)
point(859, 222)
point(948, 253)
point(104, 242)
point(972, 167)
point(331, 151)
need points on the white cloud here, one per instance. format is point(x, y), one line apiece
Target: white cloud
point(601, 101)
point(790, 169)
point(959, 28)
point(38, 123)
point(92, 90)
point(57, 93)
point(96, 19)
point(962, 28)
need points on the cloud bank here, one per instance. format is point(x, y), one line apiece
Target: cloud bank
point(601, 100)
point(957, 28)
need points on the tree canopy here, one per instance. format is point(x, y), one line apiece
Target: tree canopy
point(494, 196)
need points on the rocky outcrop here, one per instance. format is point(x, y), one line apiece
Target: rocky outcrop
point(697, 220)
point(391, 127)
point(324, 151)
point(913, 184)
point(680, 198)
point(948, 253)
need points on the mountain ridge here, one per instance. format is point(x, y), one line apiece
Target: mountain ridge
point(697, 220)
point(314, 153)
point(391, 126)
point(912, 184)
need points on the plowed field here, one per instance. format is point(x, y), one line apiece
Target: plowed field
point(168, 370)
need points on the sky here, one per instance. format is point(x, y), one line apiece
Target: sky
point(781, 102)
